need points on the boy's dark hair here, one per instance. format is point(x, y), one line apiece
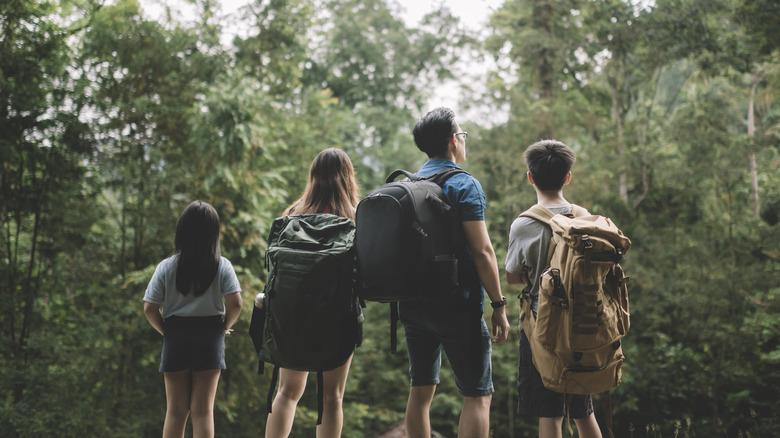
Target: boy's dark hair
point(433, 131)
point(549, 162)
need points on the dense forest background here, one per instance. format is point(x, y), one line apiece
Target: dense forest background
point(111, 122)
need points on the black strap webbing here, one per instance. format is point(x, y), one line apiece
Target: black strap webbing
point(274, 381)
point(393, 328)
point(608, 414)
point(320, 388)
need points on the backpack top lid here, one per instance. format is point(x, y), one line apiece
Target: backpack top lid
point(312, 232)
point(601, 232)
point(570, 229)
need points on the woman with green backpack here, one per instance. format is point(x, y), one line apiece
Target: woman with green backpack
point(331, 188)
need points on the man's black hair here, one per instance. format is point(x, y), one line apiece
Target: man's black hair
point(433, 131)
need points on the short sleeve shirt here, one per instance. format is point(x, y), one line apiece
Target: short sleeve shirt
point(162, 290)
point(529, 241)
point(464, 193)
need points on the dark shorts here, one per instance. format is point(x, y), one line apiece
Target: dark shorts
point(537, 401)
point(196, 343)
point(466, 341)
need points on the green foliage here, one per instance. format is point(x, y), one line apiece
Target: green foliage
point(112, 123)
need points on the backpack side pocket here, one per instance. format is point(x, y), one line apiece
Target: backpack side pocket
point(552, 304)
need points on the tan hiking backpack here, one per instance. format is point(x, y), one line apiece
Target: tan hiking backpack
point(583, 304)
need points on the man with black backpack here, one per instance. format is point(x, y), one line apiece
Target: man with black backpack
point(453, 319)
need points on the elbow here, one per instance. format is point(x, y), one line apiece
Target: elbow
point(515, 279)
point(235, 302)
point(151, 309)
point(485, 254)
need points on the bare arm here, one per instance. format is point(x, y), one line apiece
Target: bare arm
point(233, 304)
point(152, 312)
point(487, 268)
point(518, 279)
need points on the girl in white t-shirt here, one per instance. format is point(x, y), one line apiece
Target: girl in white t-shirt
point(193, 300)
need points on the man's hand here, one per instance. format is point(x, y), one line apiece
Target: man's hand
point(500, 325)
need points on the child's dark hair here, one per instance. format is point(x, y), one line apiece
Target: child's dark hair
point(549, 162)
point(433, 131)
point(197, 243)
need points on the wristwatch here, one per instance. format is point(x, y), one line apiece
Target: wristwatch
point(497, 304)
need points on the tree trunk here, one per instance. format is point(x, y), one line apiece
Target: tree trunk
point(542, 21)
point(617, 115)
point(751, 122)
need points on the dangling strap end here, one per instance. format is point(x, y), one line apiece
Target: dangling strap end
point(272, 388)
point(320, 387)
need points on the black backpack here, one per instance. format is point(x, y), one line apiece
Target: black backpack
point(404, 241)
point(311, 318)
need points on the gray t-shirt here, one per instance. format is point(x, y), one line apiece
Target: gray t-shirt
point(162, 290)
point(529, 241)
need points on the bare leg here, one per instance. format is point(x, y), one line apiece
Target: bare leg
point(291, 387)
point(334, 382)
point(177, 397)
point(418, 407)
point(475, 417)
point(588, 427)
point(204, 391)
point(550, 427)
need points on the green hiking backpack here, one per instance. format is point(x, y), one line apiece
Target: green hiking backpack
point(311, 317)
point(583, 309)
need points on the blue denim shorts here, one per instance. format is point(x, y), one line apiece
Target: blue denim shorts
point(196, 343)
point(537, 401)
point(466, 341)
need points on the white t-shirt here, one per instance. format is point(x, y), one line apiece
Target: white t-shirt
point(162, 290)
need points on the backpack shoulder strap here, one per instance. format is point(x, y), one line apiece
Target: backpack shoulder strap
point(578, 211)
point(443, 175)
point(540, 213)
point(394, 174)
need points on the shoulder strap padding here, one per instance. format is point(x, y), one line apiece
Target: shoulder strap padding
point(541, 213)
point(437, 178)
point(443, 175)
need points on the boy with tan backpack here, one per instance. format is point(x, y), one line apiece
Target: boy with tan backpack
point(575, 304)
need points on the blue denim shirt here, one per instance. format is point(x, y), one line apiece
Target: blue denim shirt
point(464, 193)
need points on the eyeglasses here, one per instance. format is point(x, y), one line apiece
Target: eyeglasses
point(463, 133)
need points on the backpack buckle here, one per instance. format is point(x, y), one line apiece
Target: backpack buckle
point(586, 242)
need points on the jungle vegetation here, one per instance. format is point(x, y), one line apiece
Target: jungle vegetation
point(111, 122)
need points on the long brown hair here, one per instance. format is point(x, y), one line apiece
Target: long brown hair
point(331, 184)
point(197, 242)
